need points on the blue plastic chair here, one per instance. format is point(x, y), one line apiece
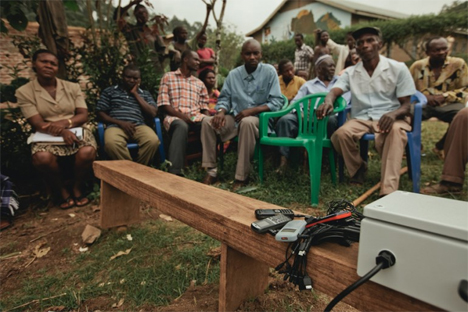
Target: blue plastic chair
point(413, 147)
point(133, 146)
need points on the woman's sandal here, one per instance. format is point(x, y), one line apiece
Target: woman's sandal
point(67, 203)
point(79, 199)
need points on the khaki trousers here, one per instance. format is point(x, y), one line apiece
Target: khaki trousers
point(116, 144)
point(390, 147)
point(247, 130)
point(456, 149)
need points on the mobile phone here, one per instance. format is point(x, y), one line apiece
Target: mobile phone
point(291, 231)
point(332, 217)
point(265, 213)
point(270, 223)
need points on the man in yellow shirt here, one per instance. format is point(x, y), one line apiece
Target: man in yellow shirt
point(289, 83)
point(444, 82)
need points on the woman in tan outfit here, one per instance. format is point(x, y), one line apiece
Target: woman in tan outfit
point(53, 106)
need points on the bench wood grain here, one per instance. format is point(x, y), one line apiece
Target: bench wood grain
point(226, 217)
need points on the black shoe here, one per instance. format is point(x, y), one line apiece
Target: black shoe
point(360, 176)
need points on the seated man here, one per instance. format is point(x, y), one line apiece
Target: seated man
point(456, 157)
point(184, 100)
point(289, 83)
point(444, 81)
point(124, 108)
point(248, 90)
point(381, 89)
point(287, 125)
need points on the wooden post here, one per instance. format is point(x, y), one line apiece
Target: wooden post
point(241, 277)
point(117, 207)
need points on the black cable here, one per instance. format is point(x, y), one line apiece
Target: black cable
point(384, 260)
point(353, 286)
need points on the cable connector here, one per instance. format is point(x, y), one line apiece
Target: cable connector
point(307, 283)
point(387, 258)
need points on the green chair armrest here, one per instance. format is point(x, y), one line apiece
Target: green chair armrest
point(263, 118)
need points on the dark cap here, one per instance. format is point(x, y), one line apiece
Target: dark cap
point(367, 30)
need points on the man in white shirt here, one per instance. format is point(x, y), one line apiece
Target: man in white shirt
point(381, 89)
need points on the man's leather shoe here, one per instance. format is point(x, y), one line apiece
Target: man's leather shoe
point(209, 180)
point(360, 176)
point(239, 184)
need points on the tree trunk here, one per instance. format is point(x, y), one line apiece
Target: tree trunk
point(219, 28)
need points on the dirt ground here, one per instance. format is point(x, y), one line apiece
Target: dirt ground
point(62, 229)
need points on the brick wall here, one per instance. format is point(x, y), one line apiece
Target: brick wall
point(10, 56)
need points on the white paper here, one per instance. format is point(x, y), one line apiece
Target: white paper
point(44, 137)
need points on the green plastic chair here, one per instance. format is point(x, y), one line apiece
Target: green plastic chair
point(312, 135)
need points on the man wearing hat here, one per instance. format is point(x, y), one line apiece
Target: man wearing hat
point(287, 125)
point(380, 94)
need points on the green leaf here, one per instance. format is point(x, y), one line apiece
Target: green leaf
point(3, 28)
point(71, 4)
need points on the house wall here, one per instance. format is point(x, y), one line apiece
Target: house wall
point(293, 18)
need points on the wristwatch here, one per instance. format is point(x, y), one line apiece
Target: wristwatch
point(221, 110)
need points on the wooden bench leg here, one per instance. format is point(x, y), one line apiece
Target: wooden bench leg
point(241, 278)
point(117, 208)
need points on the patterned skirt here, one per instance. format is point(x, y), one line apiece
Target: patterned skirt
point(65, 150)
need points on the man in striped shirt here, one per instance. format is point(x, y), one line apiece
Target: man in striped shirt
point(184, 100)
point(123, 108)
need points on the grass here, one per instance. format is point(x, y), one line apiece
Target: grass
point(293, 188)
point(166, 257)
point(163, 261)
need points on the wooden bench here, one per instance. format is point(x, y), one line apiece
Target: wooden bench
point(245, 256)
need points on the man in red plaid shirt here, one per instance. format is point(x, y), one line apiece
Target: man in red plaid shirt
point(184, 100)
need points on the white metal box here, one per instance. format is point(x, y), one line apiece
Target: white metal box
point(428, 236)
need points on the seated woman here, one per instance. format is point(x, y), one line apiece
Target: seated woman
point(209, 79)
point(53, 106)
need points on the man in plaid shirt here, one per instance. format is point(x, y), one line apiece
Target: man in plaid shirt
point(184, 100)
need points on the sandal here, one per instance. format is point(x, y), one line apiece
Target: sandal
point(67, 203)
point(4, 223)
point(79, 201)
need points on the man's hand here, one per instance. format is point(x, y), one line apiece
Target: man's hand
point(435, 100)
point(128, 127)
point(324, 110)
point(186, 119)
point(134, 90)
point(386, 122)
point(135, 2)
point(245, 113)
point(218, 121)
point(69, 137)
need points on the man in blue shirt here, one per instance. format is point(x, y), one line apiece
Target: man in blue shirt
point(248, 90)
point(124, 108)
point(287, 125)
